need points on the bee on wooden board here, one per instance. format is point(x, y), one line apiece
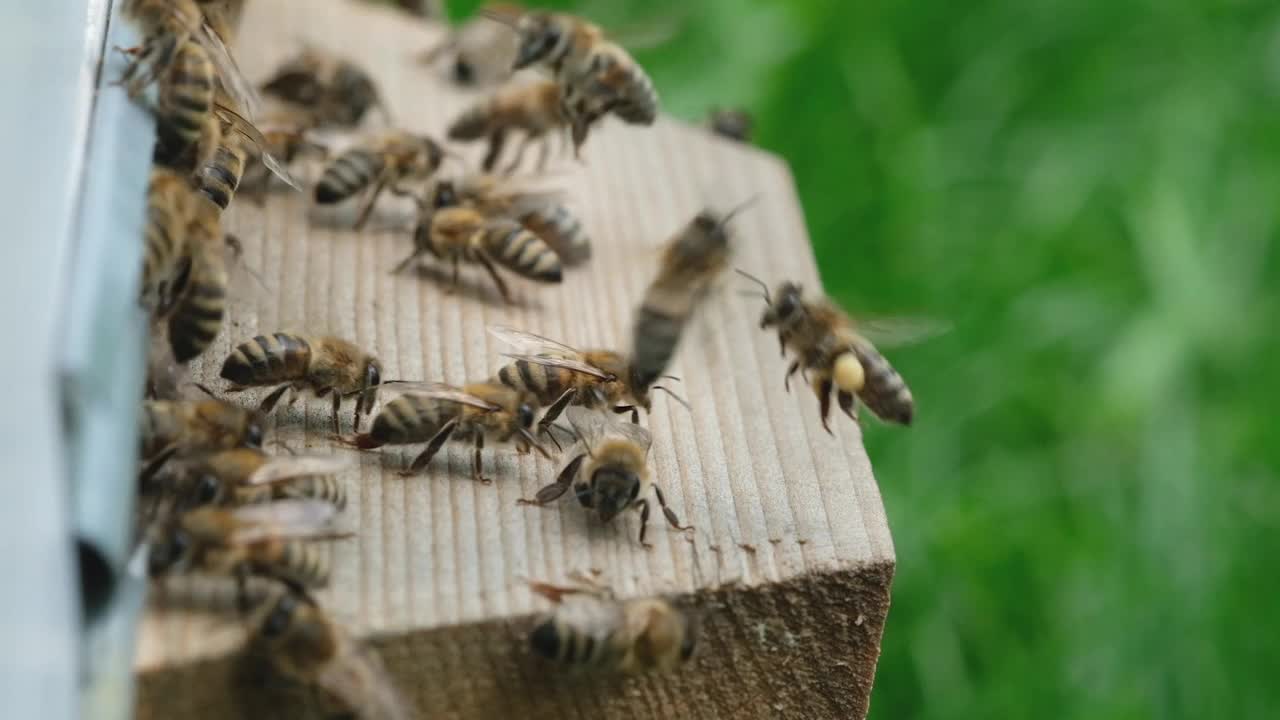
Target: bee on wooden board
point(245, 475)
point(189, 427)
point(273, 539)
point(169, 209)
point(558, 376)
point(200, 296)
point(458, 233)
point(596, 75)
point(381, 161)
point(434, 412)
point(731, 123)
point(324, 365)
point(480, 52)
point(690, 262)
point(333, 89)
point(825, 341)
point(591, 630)
point(305, 644)
point(287, 137)
point(533, 109)
point(542, 212)
point(608, 470)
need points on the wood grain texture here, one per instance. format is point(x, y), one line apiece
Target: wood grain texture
point(791, 561)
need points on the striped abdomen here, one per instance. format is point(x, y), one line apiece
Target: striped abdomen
point(186, 98)
point(561, 231)
point(268, 360)
point(197, 316)
point(473, 124)
point(639, 102)
point(164, 234)
point(884, 391)
point(656, 333)
point(326, 488)
point(219, 178)
point(351, 172)
point(520, 251)
point(411, 419)
point(298, 561)
point(547, 384)
point(564, 643)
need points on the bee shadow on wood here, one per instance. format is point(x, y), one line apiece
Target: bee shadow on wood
point(473, 284)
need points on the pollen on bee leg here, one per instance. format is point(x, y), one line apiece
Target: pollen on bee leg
point(848, 373)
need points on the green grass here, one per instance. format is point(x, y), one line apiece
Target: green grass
point(1086, 514)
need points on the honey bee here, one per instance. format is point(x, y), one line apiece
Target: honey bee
point(169, 207)
point(482, 52)
point(826, 341)
point(242, 476)
point(608, 470)
point(734, 124)
point(434, 412)
point(531, 108)
point(458, 234)
point(287, 138)
point(238, 143)
point(384, 160)
point(558, 376)
point(333, 89)
point(592, 630)
point(596, 75)
point(201, 289)
point(192, 427)
point(690, 262)
point(167, 26)
point(184, 106)
point(325, 365)
point(306, 645)
point(268, 539)
point(541, 212)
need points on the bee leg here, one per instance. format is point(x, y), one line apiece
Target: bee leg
point(453, 282)
point(367, 209)
point(269, 402)
point(477, 464)
point(487, 262)
point(668, 512)
point(518, 160)
point(496, 140)
point(544, 152)
point(644, 522)
point(845, 400)
point(635, 412)
point(553, 412)
point(337, 407)
point(552, 492)
point(242, 591)
point(782, 344)
point(153, 466)
point(405, 263)
point(786, 382)
point(822, 387)
point(433, 447)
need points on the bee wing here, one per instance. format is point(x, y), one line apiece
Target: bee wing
point(246, 128)
point(232, 79)
point(530, 344)
point(630, 431)
point(899, 331)
point(653, 33)
point(591, 426)
point(442, 391)
point(563, 362)
point(360, 680)
point(287, 468)
point(283, 519)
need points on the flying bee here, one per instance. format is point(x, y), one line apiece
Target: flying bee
point(333, 89)
point(608, 470)
point(242, 476)
point(825, 341)
point(690, 262)
point(482, 52)
point(460, 234)
point(191, 427)
point(734, 124)
point(324, 365)
point(531, 108)
point(269, 539)
point(593, 631)
point(434, 412)
point(169, 207)
point(384, 160)
point(166, 26)
point(541, 212)
point(558, 376)
point(306, 645)
point(596, 76)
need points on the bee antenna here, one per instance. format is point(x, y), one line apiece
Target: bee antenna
point(205, 389)
point(675, 397)
point(670, 377)
point(758, 281)
point(744, 205)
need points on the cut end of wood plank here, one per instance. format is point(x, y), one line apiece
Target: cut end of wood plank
point(791, 557)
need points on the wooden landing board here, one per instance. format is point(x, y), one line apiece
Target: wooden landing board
point(792, 553)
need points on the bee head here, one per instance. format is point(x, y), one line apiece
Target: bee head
point(524, 414)
point(168, 553)
point(446, 194)
point(540, 33)
point(785, 308)
point(207, 490)
point(614, 490)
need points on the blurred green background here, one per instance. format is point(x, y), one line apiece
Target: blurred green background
point(1086, 512)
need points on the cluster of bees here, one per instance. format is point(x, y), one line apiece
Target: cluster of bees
point(215, 502)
